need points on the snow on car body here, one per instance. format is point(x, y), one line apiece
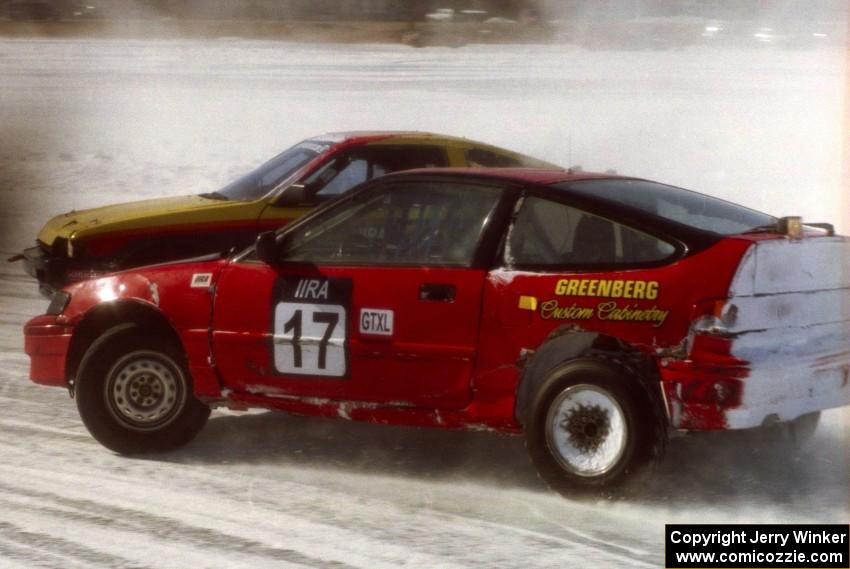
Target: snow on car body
point(592, 313)
point(82, 244)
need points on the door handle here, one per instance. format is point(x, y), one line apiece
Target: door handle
point(430, 292)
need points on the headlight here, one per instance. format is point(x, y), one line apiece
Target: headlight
point(58, 302)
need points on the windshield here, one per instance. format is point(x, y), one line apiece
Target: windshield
point(262, 180)
point(675, 204)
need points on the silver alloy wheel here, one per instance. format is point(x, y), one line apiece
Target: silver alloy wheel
point(586, 430)
point(145, 390)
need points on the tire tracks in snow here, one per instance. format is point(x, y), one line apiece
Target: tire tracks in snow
point(158, 527)
point(45, 542)
point(445, 523)
point(387, 532)
point(23, 428)
point(309, 544)
point(16, 555)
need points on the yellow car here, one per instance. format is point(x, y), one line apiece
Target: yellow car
point(82, 244)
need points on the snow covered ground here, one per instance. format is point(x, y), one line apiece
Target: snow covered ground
point(90, 122)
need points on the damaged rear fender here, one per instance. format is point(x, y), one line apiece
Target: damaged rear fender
point(571, 342)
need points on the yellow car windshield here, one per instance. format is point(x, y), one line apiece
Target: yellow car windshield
point(259, 182)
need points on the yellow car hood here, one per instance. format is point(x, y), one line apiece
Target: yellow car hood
point(158, 212)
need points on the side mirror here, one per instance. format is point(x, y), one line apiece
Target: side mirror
point(294, 196)
point(267, 248)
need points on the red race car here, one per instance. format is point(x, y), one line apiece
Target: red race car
point(593, 314)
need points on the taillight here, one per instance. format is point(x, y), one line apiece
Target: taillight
point(725, 392)
point(711, 307)
point(711, 317)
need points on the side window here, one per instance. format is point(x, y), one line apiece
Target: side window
point(369, 162)
point(412, 224)
point(356, 172)
point(548, 233)
point(287, 166)
point(675, 204)
point(478, 157)
point(388, 159)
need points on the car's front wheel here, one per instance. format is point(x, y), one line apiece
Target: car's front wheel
point(134, 395)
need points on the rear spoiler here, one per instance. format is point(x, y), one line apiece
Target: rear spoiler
point(828, 227)
point(792, 226)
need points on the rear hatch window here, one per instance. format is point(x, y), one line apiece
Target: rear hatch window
point(674, 204)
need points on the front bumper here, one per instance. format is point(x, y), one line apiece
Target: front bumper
point(52, 271)
point(46, 342)
point(44, 267)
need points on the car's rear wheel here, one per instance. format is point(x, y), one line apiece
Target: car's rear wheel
point(590, 429)
point(135, 395)
point(586, 430)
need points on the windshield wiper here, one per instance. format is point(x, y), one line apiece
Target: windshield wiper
point(215, 196)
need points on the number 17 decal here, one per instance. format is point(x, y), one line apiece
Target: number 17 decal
point(310, 336)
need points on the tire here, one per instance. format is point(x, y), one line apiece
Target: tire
point(591, 428)
point(135, 396)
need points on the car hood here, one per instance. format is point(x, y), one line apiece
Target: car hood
point(135, 215)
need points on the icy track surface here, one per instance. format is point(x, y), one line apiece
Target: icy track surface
point(88, 123)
